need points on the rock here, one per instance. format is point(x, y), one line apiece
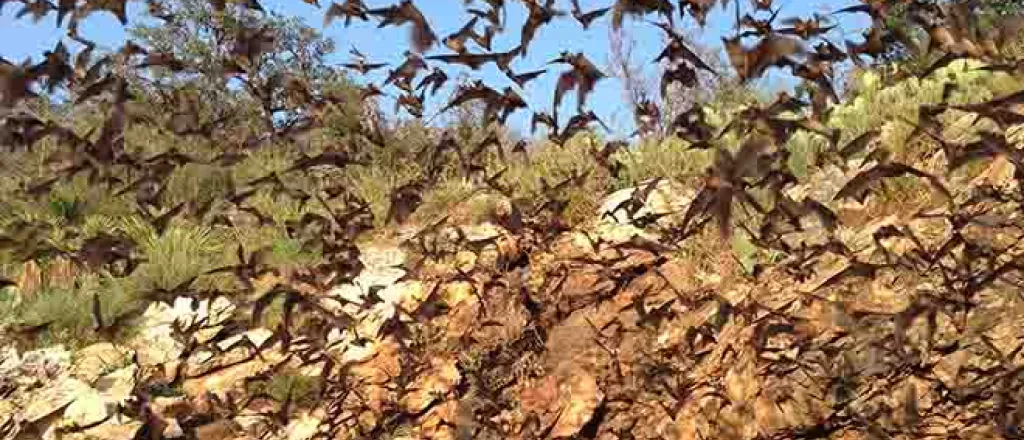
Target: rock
point(377, 256)
point(435, 383)
point(43, 365)
point(117, 386)
point(668, 197)
point(438, 423)
point(219, 430)
point(222, 381)
point(480, 232)
point(348, 292)
point(579, 398)
point(378, 277)
point(108, 431)
point(456, 292)
point(304, 427)
point(383, 365)
point(98, 359)
point(171, 407)
point(8, 418)
point(571, 394)
point(54, 398)
point(88, 409)
point(358, 353)
point(207, 315)
point(999, 174)
point(370, 324)
point(173, 429)
point(406, 295)
point(465, 261)
point(155, 344)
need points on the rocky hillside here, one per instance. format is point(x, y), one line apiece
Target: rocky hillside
point(605, 331)
point(212, 232)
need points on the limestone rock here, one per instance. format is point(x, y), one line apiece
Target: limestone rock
point(88, 409)
point(116, 387)
point(465, 261)
point(208, 315)
point(155, 343)
point(37, 366)
point(173, 429)
point(442, 376)
point(108, 431)
point(378, 277)
point(406, 295)
point(54, 398)
point(96, 360)
point(304, 427)
point(378, 255)
point(580, 397)
point(481, 232)
point(668, 197)
point(222, 381)
point(348, 292)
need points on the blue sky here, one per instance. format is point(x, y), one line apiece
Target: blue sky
point(22, 38)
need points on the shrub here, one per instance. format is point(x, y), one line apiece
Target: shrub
point(69, 311)
point(181, 252)
point(304, 390)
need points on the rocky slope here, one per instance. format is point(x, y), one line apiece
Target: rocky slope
point(603, 332)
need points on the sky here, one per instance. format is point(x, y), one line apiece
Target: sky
point(22, 38)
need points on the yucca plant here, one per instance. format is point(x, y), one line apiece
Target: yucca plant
point(66, 313)
point(183, 251)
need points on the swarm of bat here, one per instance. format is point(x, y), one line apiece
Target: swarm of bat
point(744, 190)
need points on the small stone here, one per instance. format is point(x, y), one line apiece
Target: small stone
point(54, 398)
point(482, 232)
point(304, 427)
point(220, 430)
point(94, 361)
point(457, 292)
point(173, 429)
point(368, 420)
point(111, 431)
point(378, 255)
point(580, 397)
point(171, 407)
point(465, 261)
point(406, 294)
point(348, 292)
point(88, 409)
point(437, 382)
point(378, 277)
point(117, 386)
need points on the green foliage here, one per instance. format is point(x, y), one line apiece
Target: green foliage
point(665, 158)
point(302, 389)
point(181, 252)
point(552, 164)
point(876, 105)
point(448, 195)
point(68, 312)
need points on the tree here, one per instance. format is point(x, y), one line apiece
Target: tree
point(639, 85)
point(205, 39)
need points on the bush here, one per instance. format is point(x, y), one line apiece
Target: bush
point(69, 311)
point(304, 390)
point(181, 252)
